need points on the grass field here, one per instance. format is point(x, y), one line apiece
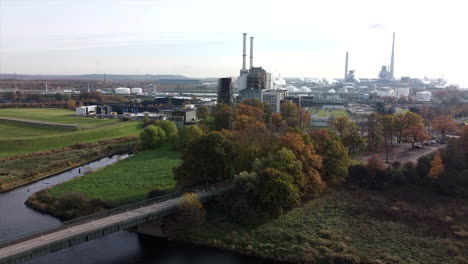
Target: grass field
point(349, 227)
point(13, 129)
point(12, 146)
point(18, 137)
point(54, 115)
point(129, 180)
point(331, 113)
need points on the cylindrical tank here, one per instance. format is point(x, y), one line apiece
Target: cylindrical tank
point(122, 90)
point(137, 90)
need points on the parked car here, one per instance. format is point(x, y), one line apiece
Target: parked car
point(417, 146)
point(433, 141)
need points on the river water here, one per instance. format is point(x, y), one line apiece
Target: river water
point(117, 248)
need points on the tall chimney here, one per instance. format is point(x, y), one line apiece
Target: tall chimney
point(392, 63)
point(346, 68)
point(244, 54)
point(251, 52)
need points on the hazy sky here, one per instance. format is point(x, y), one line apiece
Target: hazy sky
point(203, 38)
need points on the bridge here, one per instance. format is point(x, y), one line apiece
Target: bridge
point(70, 233)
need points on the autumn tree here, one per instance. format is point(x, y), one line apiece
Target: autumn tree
point(247, 115)
point(341, 124)
point(388, 130)
point(437, 167)
point(152, 136)
point(312, 162)
point(353, 139)
point(71, 105)
point(276, 121)
point(294, 116)
point(404, 121)
point(374, 131)
point(207, 160)
point(256, 103)
point(202, 112)
point(444, 125)
point(222, 115)
point(334, 154)
point(416, 133)
point(251, 143)
point(375, 163)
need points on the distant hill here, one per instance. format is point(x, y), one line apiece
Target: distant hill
point(93, 77)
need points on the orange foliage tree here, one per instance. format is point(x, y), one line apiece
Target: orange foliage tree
point(444, 125)
point(437, 167)
point(312, 162)
point(416, 133)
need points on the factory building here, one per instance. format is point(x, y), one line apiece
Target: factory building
point(254, 81)
point(225, 91)
point(85, 110)
point(273, 98)
point(424, 96)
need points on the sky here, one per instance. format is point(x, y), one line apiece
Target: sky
point(203, 38)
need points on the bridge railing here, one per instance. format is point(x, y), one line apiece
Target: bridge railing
point(63, 225)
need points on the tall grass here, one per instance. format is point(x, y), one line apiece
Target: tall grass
point(127, 181)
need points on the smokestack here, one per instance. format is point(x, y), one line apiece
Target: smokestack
point(392, 63)
point(244, 54)
point(251, 52)
point(346, 67)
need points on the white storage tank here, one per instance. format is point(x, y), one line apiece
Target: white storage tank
point(424, 96)
point(137, 90)
point(122, 90)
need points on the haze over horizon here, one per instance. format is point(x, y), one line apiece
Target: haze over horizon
point(294, 38)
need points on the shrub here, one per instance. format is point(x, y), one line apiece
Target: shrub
point(152, 136)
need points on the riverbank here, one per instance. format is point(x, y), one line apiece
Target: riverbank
point(346, 226)
point(24, 169)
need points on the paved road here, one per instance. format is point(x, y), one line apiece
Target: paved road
point(404, 153)
point(87, 227)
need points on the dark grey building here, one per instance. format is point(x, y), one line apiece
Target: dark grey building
point(225, 91)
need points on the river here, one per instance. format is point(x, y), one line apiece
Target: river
point(117, 248)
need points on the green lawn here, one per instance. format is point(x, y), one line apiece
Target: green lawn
point(129, 180)
point(331, 113)
point(16, 146)
point(346, 227)
point(55, 115)
point(13, 129)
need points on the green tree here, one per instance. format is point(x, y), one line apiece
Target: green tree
point(152, 136)
point(168, 126)
point(207, 160)
point(202, 112)
point(335, 156)
point(191, 214)
point(188, 134)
